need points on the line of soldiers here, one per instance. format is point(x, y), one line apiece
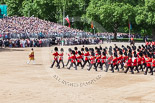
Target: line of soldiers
point(141, 58)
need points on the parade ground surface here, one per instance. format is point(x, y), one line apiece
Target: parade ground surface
point(38, 83)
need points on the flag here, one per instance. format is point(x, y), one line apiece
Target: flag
point(92, 25)
point(67, 19)
point(130, 26)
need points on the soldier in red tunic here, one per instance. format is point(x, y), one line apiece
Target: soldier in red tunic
point(92, 61)
point(98, 59)
point(148, 64)
point(87, 55)
point(114, 63)
point(73, 60)
point(69, 56)
point(61, 58)
point(129, 64)
point(56, 55)
point(79, 59)
point(140, 61)
point(103, 59)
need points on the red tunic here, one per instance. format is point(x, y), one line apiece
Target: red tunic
point(153, 63)
point(148, 62)
point(73, 58)
point(69, 56)
point(139, 60)
point(61, 56)
point(135, 62)
point(92, 60)
point(143, 60)
point(55, 55)
point(115, 61)
point(87, 56)
point(98, 59)
point(120, 59)
point(129, 62)
point(103, 59)
point(79, 58)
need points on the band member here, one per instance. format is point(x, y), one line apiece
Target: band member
point(79, 59)
point(61, 58)
point(31, 57)
point(56, 55)
point(87, 55)
point(148, 64)
point(92, 61)
point(69, 56)
point(129, 64)
point(73, 60)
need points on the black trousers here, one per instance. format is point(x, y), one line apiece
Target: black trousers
point(141, 66)
point(69, 60)
point(131, 68)
point(151, 70)
point(113, 66)
point(91, 66)
point(79, 63)
point(60, 61)
point(144, 65)
point(122, 66)
point(136, 68)
point(54, 63)
point(99, 63)
point(85, 62)
point(71, 65)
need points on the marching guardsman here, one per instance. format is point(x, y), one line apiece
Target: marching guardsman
point(61, 58)
point(135, 63)
point(56, 55)
point(31, 57)
point(98, 59)
point(87, 55)
point(109, 60)
point(144, 56)
point(69, 56)
point(120, 59)
point(103, 59)
point(140, 61)
point(114, 63)
point(129, 64)
point(79, 59)
point(92, 61)
point(82, 54)
point(73, 60)
point(148, 64)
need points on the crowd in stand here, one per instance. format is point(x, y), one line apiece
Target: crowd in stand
point(14, 43)
point(32, 26)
